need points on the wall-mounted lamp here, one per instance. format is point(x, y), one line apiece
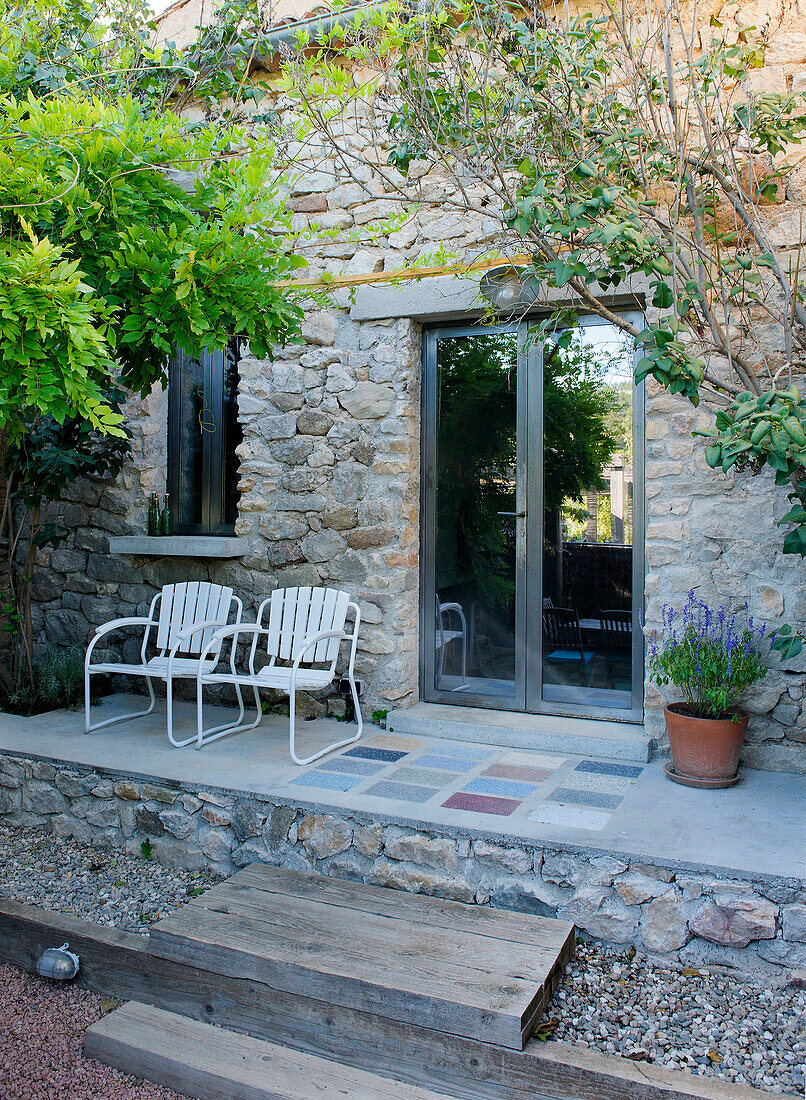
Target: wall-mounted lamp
point(508, 288)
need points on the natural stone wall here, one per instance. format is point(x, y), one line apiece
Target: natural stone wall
point(329, 495)
point(717, 533)
point(688, 915)
point(330, 463)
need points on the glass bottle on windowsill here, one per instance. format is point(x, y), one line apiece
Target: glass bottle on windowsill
point(167, 519)
point(153, 515)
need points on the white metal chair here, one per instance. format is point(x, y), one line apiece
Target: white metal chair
point(186, 617)
point(445, 635)
point(302, 627)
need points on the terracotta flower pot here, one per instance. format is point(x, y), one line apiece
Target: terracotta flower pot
point(704, 748)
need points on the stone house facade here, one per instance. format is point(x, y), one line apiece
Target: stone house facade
point(331, 468)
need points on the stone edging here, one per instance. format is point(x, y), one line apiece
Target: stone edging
point(694, 917)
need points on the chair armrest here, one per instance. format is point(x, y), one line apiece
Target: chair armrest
point(230, 631)
point(450, 607)
point(189, 631)
point(115, 624)
point(313, 639)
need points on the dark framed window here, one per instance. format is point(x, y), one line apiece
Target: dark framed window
point(203, 432)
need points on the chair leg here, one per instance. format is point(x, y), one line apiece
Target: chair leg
point(336, 744)
point(89, 728)
point(204, 736)
point(170, 718)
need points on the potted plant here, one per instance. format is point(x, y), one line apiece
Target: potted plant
point(711, 659)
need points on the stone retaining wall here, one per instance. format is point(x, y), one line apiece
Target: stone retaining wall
point(692, 916)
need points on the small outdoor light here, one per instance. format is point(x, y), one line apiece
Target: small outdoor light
point(507, 288)
point(58, 963)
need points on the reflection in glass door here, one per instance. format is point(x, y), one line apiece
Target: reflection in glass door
point(531, 503)
point(588, 514)
point(476, 500)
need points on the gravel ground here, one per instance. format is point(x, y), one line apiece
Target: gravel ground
point(105, 887)
point(616, 1002)
point(42, 1027)
point(708, 1023)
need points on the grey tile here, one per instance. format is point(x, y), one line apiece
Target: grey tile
point(593, 781)
point(585, 798)
point(353, 767)
point(472, 754)
point(604, 767)
point(426, 776)
point(405, 792)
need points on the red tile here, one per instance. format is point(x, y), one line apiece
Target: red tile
point(517, 771)
point(481, 803)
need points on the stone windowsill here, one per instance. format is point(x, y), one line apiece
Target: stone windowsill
point(178, 546)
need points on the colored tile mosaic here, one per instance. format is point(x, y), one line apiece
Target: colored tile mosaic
point(574, 817)
point(481, 804)
point(604, 767)
point(354, 767)
point(330, 781)
point(444, 763)
point(504, 788)
point(591, 781)
point(532, 760)
point(388, 741)
point(430, 777)
point(404, 792)
point(585, 798)
point(365, 752)
point(513, 771)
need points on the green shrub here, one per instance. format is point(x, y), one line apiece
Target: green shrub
point(58, 681)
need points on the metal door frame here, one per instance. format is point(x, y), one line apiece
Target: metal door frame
point(528, 567)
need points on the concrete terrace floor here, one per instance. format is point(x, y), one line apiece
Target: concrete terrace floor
point(757, 828)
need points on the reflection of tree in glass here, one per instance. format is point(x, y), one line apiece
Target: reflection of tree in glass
point(476, 449)
point(581, 429)
point(476, 458)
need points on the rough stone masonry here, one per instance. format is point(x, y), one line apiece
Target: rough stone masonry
point(686, 914)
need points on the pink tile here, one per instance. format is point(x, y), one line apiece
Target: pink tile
point(513, 771)
point(481, 803)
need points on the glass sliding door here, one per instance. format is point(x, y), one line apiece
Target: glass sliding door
point(532, 521)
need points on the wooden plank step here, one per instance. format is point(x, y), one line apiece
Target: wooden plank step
point(500, 923)
point(211, 1063)
point(458, 969)
point(118, 964)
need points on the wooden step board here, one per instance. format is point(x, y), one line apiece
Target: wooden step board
point(458, 969)
point(211, 1063)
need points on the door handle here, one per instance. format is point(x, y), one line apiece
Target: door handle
point(520, 515)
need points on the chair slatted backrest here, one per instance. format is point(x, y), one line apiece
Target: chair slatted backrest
point(617, 628)
point(182, 605)
point(296, 613)
point(561, 628)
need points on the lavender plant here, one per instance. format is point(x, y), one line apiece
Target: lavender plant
point(710, 657)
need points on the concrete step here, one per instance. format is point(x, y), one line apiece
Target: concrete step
point(212, 1063)
point(577, 736)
